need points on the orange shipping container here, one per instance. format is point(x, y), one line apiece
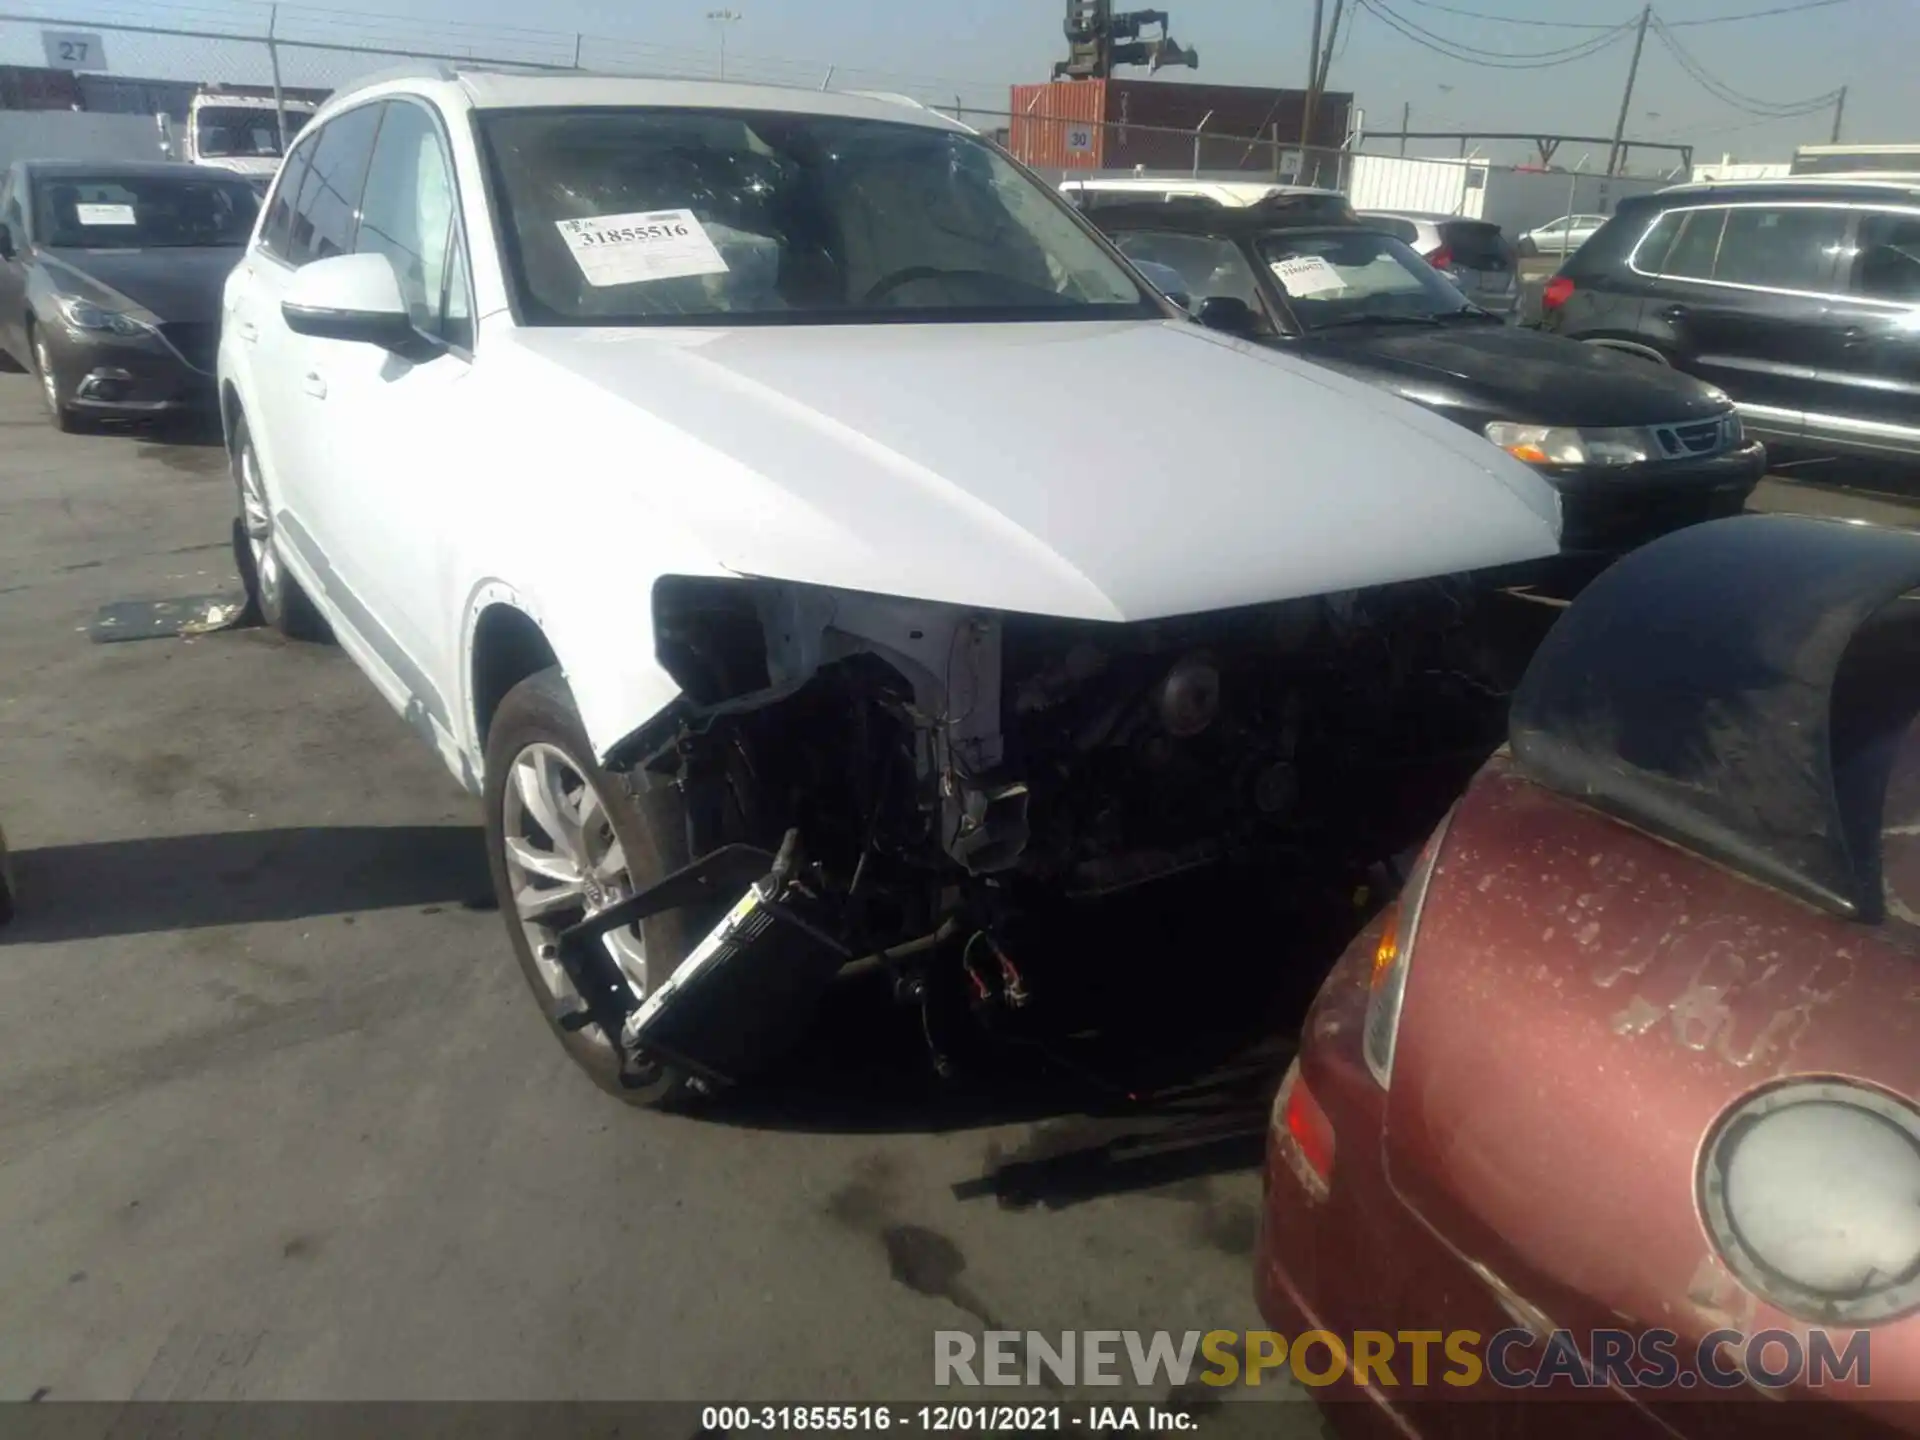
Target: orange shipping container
point(1060, 126)
point(1118, 124)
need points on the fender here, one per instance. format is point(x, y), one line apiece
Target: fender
point(1690, 691)
point(605, 649)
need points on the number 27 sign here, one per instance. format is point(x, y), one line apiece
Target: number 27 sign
point(74, 50)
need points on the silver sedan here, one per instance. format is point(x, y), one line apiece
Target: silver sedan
point(1562, 236)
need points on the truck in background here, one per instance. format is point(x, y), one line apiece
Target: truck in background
point(236, 127)
point(1856, 160)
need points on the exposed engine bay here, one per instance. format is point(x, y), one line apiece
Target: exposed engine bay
point(870, 781)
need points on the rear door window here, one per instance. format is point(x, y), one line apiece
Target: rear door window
point(1781, 248)
point(1886, 258)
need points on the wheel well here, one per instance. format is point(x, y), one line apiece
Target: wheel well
point(507, 647)
point(229, 409)
point(1632, 347)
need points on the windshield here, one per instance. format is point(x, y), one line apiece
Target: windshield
point(651, 217)
point(1338, 277)
point(229, 131)
point(143, 212)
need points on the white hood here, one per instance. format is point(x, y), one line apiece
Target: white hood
point(1106, 470)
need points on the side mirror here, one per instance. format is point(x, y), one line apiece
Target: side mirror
point(1228, 315)
point(356, 298)
point(6, 241)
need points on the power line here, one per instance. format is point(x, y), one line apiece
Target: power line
point(1591, 43)
point(1491, 59)
point(1726, 94)
point(1756, 14)
point(1518, 19)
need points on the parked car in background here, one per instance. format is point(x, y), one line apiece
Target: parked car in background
point(110, 282)
point(1632, 1051)
point(1634, 451)
point(1799, 298)
point(1473, 254)
point(1132, 190)
point(686, 462)
point(1560, 237)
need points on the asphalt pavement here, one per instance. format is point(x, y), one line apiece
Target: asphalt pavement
point(280, 1120)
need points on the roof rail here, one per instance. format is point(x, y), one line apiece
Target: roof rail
point(411, 70)
point(891, 96)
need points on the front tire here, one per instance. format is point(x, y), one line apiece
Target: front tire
point(274, 597)
point(52, 394)
point(565, 839)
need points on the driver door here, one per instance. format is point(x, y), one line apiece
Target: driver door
point(396, 472)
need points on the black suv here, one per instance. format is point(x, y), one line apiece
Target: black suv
point(1799, 298)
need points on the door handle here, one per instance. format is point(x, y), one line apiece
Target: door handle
point(315, 386)
point(246, 330)
point(1853, 336)
point(1675, 312)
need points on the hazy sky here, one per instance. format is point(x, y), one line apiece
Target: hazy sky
point(936, 49)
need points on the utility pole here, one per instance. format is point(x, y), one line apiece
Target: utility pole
point(1406, 124)
point(1626, 99)
point(1317, 83)
point(1839, 113)
point(724, 18)
point(1313, 69)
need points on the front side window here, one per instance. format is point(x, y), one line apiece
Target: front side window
point(407, 212)
point(143, 212)
point(1343, 277)
point(646, 217)
point(1784, 248)
point(1886, 257)
point(324, 213)
point(276, 236)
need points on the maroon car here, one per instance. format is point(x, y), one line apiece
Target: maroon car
point(1608, 1124)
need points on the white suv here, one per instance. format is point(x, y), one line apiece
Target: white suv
point(786, 497)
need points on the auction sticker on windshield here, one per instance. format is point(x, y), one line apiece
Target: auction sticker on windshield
point(1307, 275)
point(104, 214)
point(632, 249)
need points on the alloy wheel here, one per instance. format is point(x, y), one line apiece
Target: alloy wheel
point(564, 862)
point(256, 517)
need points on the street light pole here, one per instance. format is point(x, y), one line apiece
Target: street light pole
point(724, 18)
point(1839, 113)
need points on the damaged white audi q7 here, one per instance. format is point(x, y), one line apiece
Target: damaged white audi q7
point(815, 544)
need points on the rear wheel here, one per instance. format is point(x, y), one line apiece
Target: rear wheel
point(273, 596)
point(566, 839)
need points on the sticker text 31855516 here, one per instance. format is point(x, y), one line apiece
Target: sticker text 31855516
point(646, 245)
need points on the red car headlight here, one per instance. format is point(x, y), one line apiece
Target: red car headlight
point(1392, 956)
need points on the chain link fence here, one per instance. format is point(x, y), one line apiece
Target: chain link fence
point(314, 48)
point(137, 57)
